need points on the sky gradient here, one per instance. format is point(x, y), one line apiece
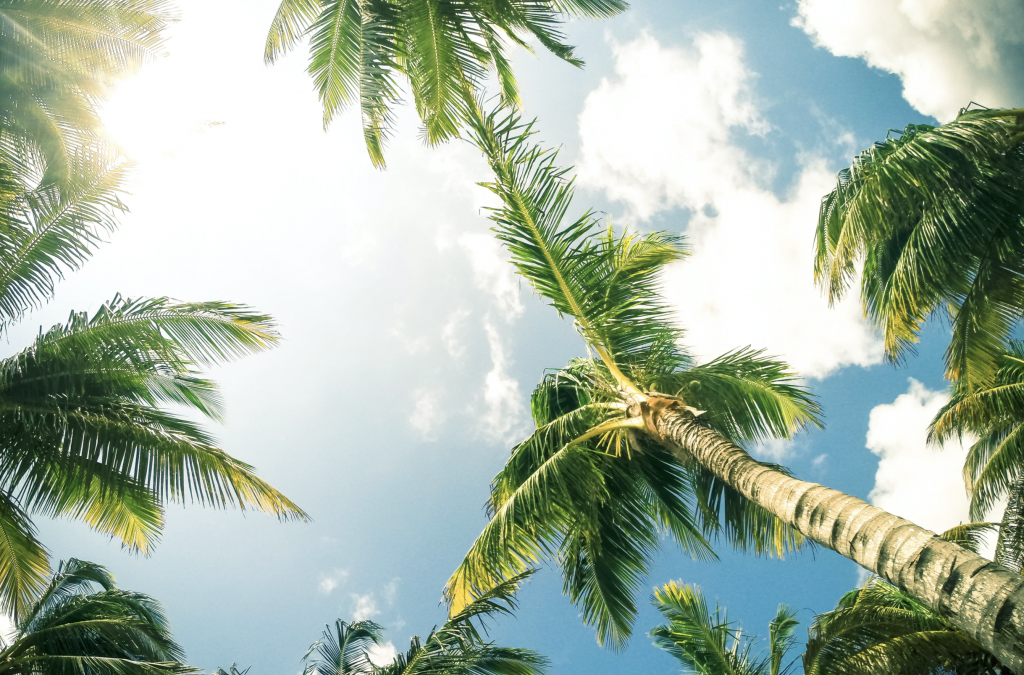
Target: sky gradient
point(411, 348)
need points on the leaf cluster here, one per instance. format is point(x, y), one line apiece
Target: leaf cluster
point(935, 214)
point(364, 50)
point(880, 629)
point(705, 642)
point(590, 487)
point(82, 624)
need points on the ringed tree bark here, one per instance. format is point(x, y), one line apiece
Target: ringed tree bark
point(615, 461)
point(982, 598)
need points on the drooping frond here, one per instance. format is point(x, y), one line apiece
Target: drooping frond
point(444, 50)
point(24, 562)
point(458, 647)
point(993, 413)
point(74, 630)
point(51, 231)
point(781, 638)
point(745, 395)
point(83, 437)
point(970, 536)
point(881, 629)
point(1010, 544)
point(702, 640)
point(934, 213)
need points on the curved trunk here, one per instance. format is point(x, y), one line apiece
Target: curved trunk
point(978, 596)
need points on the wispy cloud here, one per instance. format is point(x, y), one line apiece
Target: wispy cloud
point(504, 417)
point(364, 606)
point(329, 582)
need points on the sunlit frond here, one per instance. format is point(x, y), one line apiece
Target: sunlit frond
point(444, 50)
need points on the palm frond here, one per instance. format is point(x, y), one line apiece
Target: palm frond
point(24, 562)
point(934, 213)
point(345, 649)
point(970, 536)
point(879, 628)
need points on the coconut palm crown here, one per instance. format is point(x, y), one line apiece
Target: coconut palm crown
point(935, 214)
point(363, 51)
point(626, 444)
point(589, 486)
point(82, 624)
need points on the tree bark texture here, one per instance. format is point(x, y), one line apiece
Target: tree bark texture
point(978, 596)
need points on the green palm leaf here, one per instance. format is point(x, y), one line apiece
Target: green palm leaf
point(74, 630)
point(880, 629)
point(444, 49)
point(935, 214)
point(590, 487)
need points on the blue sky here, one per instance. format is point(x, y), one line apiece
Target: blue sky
point(411, 348)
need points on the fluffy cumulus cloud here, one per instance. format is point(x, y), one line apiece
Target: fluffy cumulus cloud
point(364, 606)
point(916, 481)
point(946, 52)
point(383, 654)
point(749, 278)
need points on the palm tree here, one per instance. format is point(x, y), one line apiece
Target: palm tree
point(443, 49)
point(456, 648)
point(550, 498)
point(83, 432)
point(58, 60)
point(935, 213)
point(74, 629)
point(706, 643)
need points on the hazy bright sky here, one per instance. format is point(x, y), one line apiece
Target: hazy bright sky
point(411, 348)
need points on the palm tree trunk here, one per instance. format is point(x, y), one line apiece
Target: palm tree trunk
point(980, 597)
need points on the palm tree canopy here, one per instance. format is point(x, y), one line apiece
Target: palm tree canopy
point(993, 414)
point(58, 59)
point(85, 437)
point(880, 629)
point(456, 648)
point(587, 487)
point(935, 214)
point(82, 624)
point(363, 51)
point(706, 643)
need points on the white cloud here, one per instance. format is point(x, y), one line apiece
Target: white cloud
point(329, 582)
point(364, 606)
point(391, 591)
point(916, 481)
point(451, 336)
point(382, 655)
point(503, 418)
point(819, 461)
point(427, 414)
point(749, 278)
point(493, 273)
point(946, 52)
